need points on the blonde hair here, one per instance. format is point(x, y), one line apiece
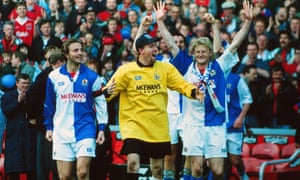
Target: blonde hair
point(205, 41)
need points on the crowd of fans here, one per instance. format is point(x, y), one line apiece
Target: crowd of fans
point(269, 57)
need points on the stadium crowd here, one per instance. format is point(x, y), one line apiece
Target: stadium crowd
point(36, 38)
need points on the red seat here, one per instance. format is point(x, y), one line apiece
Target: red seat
point(265, 151)
point(252, 165)
point(288, 150)
point(246, 150)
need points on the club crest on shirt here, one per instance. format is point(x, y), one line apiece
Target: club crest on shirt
point(60, 83)
point(228, 86)
point(156, 77)
point(84, 82)
point(28, 26)
point(138, 77)
point(213, 72)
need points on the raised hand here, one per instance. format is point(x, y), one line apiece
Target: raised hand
point(209, 18)
point(248, 8)
point(159, 10)
point(146, 21)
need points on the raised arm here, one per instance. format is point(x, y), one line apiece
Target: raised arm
point(217, 45)
point(146, 22)
point(240, 36)
point(160, 15)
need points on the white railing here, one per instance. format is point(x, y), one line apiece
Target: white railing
point(294, 159)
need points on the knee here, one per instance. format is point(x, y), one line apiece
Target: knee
point(218, 171)
point(197, 170)
point(170, 159)
point(157, 171)
point(82, 174)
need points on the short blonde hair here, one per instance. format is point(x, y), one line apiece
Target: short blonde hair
point(205, 41)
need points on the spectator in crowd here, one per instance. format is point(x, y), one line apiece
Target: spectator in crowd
point(108, 48)
point(193, 14)
point(294, 30)
point(292, 11)
point(127, 5)
point(133, 19)
point(111, 11)
point(24, 48)
point(6, 6)
point(174, 20)
point(262, 43)
point(41, 42)
point(280, 98)
point(281, 19)
point(35, 97)
point(18, 62)
point(263, 68)
point(253, 117)
point(149, 11)
point(260, 27)
point(20, 137)
point(285, 53)
point(24, 26)
point(89, 25)
point(230, 20)
point(67, 7)
point(9, 42)
point(76, 17)
point(185, 5)
point(6, 67)
point(73, 131)
point(186, 31)
point(260, 8)
point(59, 30)
point(202, 11)
point(34, 11)
point(113, 28)
point(201, 30)
point(89, 45)
point(54, 13)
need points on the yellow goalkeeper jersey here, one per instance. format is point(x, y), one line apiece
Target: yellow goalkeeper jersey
point(144, 97)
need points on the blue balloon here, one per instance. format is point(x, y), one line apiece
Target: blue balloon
point(125, 32)
point(8, 81)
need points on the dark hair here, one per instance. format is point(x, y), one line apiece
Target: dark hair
point(20, 55)
point(286, 33)
point(22, 46)
point(55, 56)
point(50, 48)
point(22, 76)
point(277, 67)
point(43, 21)
point(248, 68)
point(21, 3)
point(177, 33)
point(252, 43)
point(67, 43)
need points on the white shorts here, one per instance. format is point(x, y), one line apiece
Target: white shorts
point(235, 143)
point(71, 151)
point(208, 141)
point(174, 119)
